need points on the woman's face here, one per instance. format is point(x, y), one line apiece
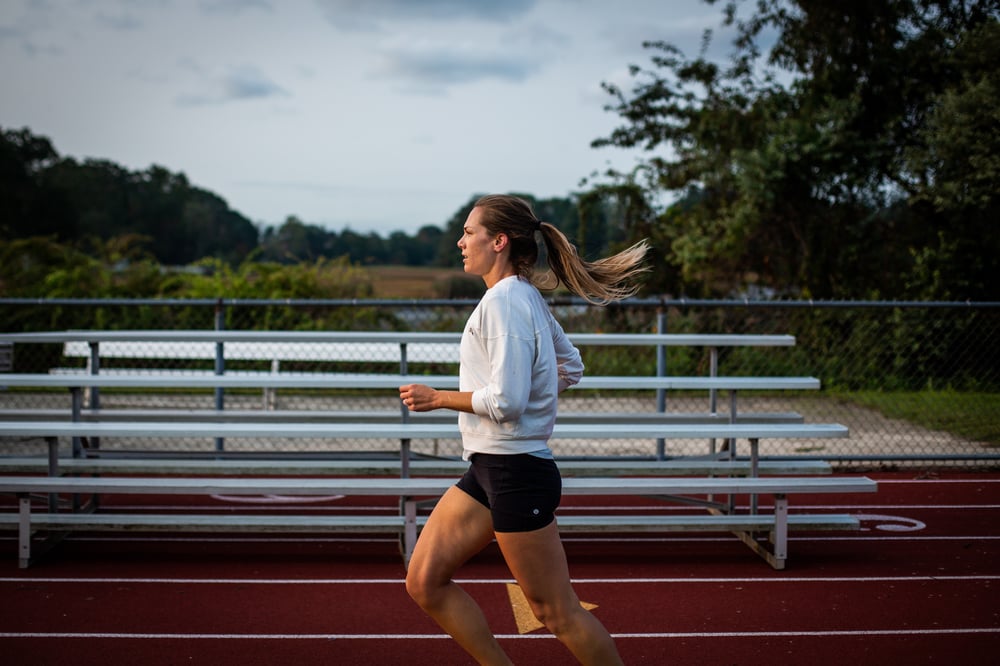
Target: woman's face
point(478, 246)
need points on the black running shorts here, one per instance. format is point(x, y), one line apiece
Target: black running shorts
point(521, 491)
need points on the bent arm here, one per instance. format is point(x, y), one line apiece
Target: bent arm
point(567, 357)
point(423, 398)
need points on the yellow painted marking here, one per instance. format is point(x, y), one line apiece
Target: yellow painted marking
point(523, 617)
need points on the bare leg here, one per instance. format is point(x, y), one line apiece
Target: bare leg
point(538, 562)
point(458, 528)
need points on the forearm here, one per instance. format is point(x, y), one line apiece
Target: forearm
point(459, 401)
point(422, 398)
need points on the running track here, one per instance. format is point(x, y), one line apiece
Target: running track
point(917, 586)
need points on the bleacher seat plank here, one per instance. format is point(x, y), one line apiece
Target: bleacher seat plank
point(397, 337)
point(370, 466)
point(211, 523)
point(394, 523)
point(702, 523)
point(375, 416)
point(423, 430)
point(373, 381)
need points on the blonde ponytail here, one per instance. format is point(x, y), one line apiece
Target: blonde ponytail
point(600, 282)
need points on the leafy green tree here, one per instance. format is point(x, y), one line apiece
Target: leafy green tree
point(214, 230)
point(42, 194)
point(293, 242)
point(27, 206)
point(806, 169)
point(447, 254)
point(25, 264)
point(613, 216)
point(425, 245)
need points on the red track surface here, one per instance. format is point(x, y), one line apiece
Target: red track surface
point(918, 585)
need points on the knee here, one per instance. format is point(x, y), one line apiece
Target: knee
point(558, 619)
point(423, 589)
point(554, 621)
point(415, 587)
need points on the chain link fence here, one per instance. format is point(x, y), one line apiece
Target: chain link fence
point(916, 383)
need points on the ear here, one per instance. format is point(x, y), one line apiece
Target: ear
point(500, 242)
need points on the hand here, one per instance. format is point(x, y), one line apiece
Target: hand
point(418, 397)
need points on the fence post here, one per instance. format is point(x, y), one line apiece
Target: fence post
point(94, 399)
point(661, 371)
point(220, 366)
point(404, 444)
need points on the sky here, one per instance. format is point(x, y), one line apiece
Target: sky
point(373, 115)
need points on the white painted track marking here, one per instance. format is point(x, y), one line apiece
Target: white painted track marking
point(409, 637)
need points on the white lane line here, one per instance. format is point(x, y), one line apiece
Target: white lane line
point(392, 510)
point(77, 538)
point(498, 581)
point(660, 635)
point(935, 481)
point(868, 536)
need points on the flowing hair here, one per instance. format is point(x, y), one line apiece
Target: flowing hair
point(600, 282)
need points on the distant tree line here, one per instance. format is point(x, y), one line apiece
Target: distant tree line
point(44, 194)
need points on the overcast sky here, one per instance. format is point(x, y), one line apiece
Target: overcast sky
point(378, 115)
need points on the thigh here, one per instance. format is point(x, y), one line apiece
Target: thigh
point(537, 561)
point(458, 528)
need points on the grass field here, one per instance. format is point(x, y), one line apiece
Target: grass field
point(415, 281)
point(964, 414)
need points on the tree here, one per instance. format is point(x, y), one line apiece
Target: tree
point(27, 206)
point(426, 244)
point(447, 253)
point(808, 169)
point(614, 216)
point(42, 194)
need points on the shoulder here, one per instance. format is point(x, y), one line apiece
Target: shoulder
point(510, 295)
point(509, 307)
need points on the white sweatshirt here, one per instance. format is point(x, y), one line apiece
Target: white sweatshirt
point(516, 359)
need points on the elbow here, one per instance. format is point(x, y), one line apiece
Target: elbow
point(505, 412)
point(497, 408)
point(569, 379)
point(508, 416)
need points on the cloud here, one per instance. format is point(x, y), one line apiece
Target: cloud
point(433, 62)
point(29, 30)
point(369, 15)
point(233, 7)
point(433, 68)
point(125, 21)
point(11, 33)
point(245, 82)
point(248, 82)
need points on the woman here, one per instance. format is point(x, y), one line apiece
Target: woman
point(515, 359)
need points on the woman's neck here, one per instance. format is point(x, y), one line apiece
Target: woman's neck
point(491, 280)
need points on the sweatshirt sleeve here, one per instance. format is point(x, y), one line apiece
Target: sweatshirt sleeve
point(567, 358)
point(510, 349)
